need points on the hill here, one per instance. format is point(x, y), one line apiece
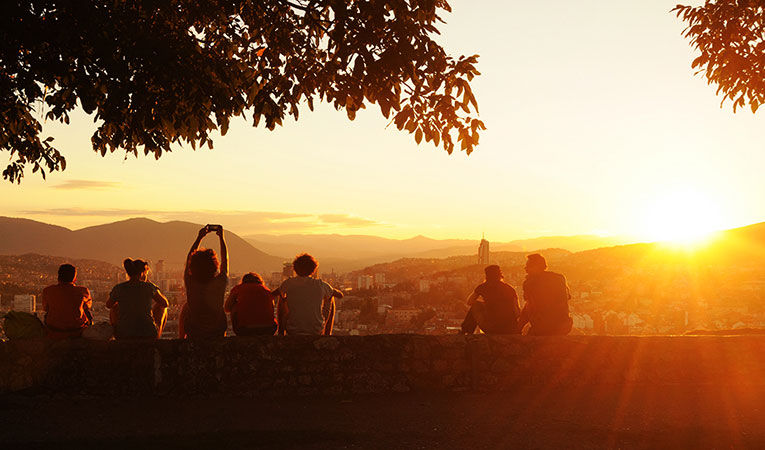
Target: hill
point(345, 253)
point(136, 238)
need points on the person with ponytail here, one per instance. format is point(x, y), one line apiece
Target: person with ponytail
point(138, 308)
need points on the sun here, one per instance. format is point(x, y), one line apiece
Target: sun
point(682, 216)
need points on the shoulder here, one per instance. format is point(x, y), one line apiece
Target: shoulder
point(480, 287)
point(507, 287)
point(557, 276)
point(83, 289)
point(151, 286)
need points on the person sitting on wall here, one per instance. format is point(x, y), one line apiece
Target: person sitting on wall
point(67, 306)
point(138, 308)
point(493, 306)
point(305, 304)
point(546, 295)
point(251, 306)
point(205, 279)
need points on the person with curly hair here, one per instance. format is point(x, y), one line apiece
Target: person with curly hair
point(205, 279)
point(305, 304)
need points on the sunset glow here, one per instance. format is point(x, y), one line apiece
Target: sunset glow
point(683, 217)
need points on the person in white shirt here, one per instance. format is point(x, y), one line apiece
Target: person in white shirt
point(305, 304)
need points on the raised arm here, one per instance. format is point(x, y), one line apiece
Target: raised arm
point(223, 253)
point(194, 248)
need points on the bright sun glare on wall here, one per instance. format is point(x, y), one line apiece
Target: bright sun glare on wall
point(684, 216)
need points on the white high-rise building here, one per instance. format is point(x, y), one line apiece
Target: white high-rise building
point(483, 252)
point(365, 282)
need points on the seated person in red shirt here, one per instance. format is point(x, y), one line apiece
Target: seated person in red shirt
point(251, 306)
point(66, 306)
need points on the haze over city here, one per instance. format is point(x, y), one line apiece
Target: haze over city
point(595, 122)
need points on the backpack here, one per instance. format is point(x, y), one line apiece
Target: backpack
point(22, 325)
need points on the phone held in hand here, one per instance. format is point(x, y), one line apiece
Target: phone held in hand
point(214, 227)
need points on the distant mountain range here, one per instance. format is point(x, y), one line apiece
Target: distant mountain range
point(145, 238)
point(134, 238)
point(345, 253)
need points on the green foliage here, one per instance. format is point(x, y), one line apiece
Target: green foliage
point(729, 35)
point(156, 73)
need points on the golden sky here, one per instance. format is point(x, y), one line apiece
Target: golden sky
point(595, 121)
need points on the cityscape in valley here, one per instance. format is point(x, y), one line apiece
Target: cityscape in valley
point(715, 286)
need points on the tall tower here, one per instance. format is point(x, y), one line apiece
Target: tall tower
point(483, 251)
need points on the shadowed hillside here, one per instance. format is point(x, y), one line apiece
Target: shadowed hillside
point(137, 238)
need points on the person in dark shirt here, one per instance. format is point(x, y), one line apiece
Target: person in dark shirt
point(493, 306)
point(546, 295)
point(251, 306)
point(138, 308)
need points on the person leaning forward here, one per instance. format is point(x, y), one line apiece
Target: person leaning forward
point(493, 306)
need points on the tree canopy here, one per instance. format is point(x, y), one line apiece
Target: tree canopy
point(162, 72)
point(729, 35)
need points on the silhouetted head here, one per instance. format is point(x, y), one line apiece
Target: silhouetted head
point(535, 263)
point(493, 273)
point(252, 277)
point(304, 265)
point(67, 273)
point(136, 268)
point(204, 265)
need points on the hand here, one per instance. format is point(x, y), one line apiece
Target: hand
point(219, 232)
point(203, 232)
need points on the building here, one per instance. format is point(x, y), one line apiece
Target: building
point(365, 282)
point(424, 285)
point(160, 269)
point(380, 279)
point(25, 303)
point(286, 270)
point(403, 315)
point(483, 252)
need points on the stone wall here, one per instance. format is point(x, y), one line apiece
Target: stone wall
point(374, 364)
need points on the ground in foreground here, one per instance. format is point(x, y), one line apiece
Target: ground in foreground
point(531, 417)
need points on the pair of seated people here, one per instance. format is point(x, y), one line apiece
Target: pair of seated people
point(138, 309)
point(304, 304)
point(494, 303)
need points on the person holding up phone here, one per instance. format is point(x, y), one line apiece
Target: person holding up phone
point(205, 280)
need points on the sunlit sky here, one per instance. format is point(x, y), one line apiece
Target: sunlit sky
point(596, 124)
